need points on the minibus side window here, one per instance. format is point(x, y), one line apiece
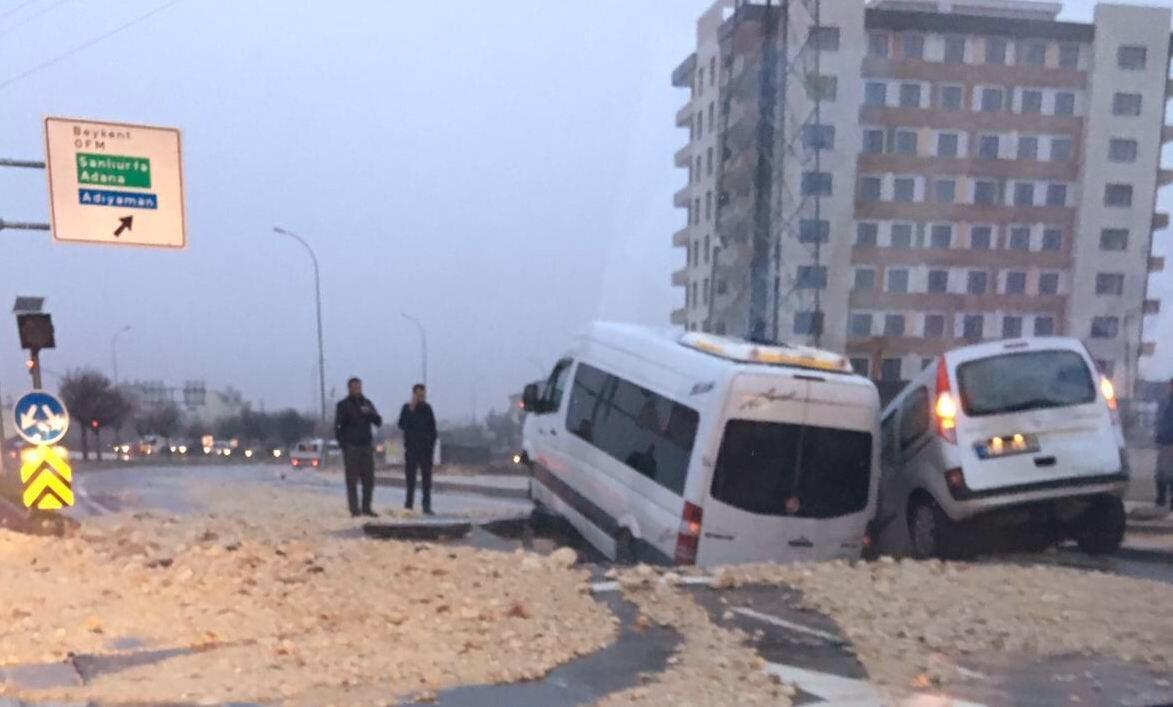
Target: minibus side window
point(888, 437)
point(914, 417)
point(552, 395)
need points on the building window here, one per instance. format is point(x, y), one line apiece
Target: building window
point(1024, 194)
point(1016, 283)
point(690, 296)
point(938, 281)
point(1061, 149)
point(811, 277)
point(878, 45)
point(707, 250)
point(816, 184)
point(934, 326)
point(1064, 103)
point(1052, 239)
point(985, 193)
point(1019, 238)
point(972, 326)
point(1121, 150)
point(709, 162)
point(1028, 148)
point(700, 123)
point(1118, 195)
point(1056, 195)
point(820, 87)
point(947, 145)
point(946, 191)
point(818, 137)
point(894, 325)
point(1106, 367)
point(814, 231)
point(869, 188)
point(709, 205)
point(988, 147)
point(905, 142)
point(860, 366)
point(954, 49)
point(875, 93)
point(1032, 102)
point(951, 98)
point(980, 237)
point(890, 369)
point(898, 280)
point(941, 236)
point(712, 122)
point(824, 39)
point(1114, 239)
point(995, 50)
point(861, 325)
point(1127, 104)
point(696, 210)
point(705, 289)
point(808, 323)
point(1105, 327)
point(913, 46)
point(901, 235)
point(976, 282)
point(1011, 327)
point(865, 280)
point(1044, 326)
point(992, 100)
point(867, 235)
point(910, 95)
point(1035, 54)
point(1049, 283)
point(697, 171)
point(1109, 283)
point(713, 70)
point(873, 141)
point(1132, 58)
point(904, 189)
point(1069, 56)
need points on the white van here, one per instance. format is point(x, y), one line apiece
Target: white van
point(696, 449)
point(1017, 439)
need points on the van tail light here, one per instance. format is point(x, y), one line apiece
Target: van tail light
point(1109, 392)
point(296, 462)
point(688, 539)
point(313, 462)
point(946, 405)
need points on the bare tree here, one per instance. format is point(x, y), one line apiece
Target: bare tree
point(95, 404)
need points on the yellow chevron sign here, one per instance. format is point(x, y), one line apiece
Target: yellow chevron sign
point(47, 477)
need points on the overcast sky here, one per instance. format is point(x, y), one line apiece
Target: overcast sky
point(500, 170)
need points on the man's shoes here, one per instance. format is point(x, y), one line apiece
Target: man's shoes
point(370, 513)
point(355, 514)
point(428, 511)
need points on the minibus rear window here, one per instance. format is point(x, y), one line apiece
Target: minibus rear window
point(1029, 380)
point(762, 465)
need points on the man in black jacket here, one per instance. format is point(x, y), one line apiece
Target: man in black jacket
point(1164, 440)
point(352, 428)
point(419, 439)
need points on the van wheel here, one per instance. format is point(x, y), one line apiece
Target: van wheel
point(1100, 529)
point(624, 547)
point(930, 530)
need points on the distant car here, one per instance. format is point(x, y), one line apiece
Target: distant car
point(222, 449)
point(314, 453)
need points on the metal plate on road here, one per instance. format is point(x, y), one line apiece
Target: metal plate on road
point(115, 183)
point(41, 418)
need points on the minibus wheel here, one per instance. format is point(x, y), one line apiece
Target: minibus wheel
point(624, 547)
point(929, 529)
point(1100, 529)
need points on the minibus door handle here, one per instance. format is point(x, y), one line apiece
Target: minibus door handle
point(801, 542)
point(1044, 461)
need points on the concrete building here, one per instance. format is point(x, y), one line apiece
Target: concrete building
point(895, 178)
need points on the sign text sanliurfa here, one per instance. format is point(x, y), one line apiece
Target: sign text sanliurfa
point(115, 183)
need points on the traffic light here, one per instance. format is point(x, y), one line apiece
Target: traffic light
point(30, 364)
point(36, 331)
point(94, 424)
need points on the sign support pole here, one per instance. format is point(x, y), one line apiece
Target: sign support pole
point(27, 164)
point(35, 369)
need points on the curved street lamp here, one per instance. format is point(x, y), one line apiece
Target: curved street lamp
point(114, 351)
point(423, 344)
point(318, 304)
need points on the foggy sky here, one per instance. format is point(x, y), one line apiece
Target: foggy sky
point(502, 171)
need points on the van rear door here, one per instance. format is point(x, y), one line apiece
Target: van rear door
point(793, 471)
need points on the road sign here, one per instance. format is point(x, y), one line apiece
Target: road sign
point(47, 478)
point(115, 183)
point(40, 418)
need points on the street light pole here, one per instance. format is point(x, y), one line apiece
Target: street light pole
point(423, 344)
point(318, 305)
point(114, 350)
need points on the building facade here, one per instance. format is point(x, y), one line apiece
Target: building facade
point(896, 178)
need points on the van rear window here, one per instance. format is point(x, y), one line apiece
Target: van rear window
point(763, 465)
point(1027, 380)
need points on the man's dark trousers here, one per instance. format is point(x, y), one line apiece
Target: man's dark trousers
point(418, 459)
point(360, 467)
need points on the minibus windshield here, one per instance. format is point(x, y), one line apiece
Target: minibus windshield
point(1027, 380)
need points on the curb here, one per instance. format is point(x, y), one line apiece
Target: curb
point(461, 487)
point(1144, 554)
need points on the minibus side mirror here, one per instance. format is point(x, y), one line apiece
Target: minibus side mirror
point(529, 399)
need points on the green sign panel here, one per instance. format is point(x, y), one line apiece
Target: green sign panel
point(113, 170)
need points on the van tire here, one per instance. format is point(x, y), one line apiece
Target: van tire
point(625, 547)
point(930, 531)
point(1100, 529)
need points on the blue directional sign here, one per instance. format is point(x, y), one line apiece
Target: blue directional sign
point(41, 418)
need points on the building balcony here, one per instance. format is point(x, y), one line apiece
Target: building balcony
point(972, 167)
point(683, 156)
point(1166, 134)
point(957, 302)
point(682, 74)
point(1156, 263)
point(1164, 177)
point(684, 115)
point(679, 317)
point(680, 238)
point(1152, 306)
point(1148, 348)
point(969, 121)
point(682, 196)
point(680, 278)
point(993, 74)
point(967, 213)
point(1160, 221)
point(960, 257)
point(1169, 87)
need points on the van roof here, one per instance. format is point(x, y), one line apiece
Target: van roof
point(996, 348)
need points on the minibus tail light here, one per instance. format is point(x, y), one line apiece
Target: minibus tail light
point(688, 539)
point(946, 405)
point(1109, 392)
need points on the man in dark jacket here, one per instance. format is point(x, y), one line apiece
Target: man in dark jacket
point(419, 439)
point(1164, 440)
point(352, 428)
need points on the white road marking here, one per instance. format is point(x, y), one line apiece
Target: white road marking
point(848, 692)
point(788, 625)
point(613, 586)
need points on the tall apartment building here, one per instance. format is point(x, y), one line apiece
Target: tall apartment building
point(896, 178)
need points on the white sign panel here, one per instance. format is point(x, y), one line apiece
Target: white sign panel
point(115, 183)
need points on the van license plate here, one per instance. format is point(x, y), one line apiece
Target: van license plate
point(1006, 446)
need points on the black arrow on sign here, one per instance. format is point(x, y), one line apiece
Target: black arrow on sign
point(127, 225)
